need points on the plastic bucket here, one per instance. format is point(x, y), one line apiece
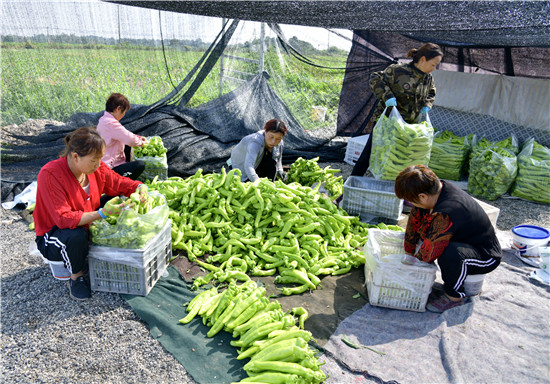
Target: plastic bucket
point(473, 284)
point(527, 239)
point(59, 271)
point(57, 267)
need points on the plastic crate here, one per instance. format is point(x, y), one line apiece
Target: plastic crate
point(355, 148)
point(369, 196)
point(390, 282)
point(131, 271)
point(491, 211)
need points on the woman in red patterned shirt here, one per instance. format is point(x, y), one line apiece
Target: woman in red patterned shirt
point(452, 229)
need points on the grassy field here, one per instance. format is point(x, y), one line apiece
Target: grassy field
point(54, 83)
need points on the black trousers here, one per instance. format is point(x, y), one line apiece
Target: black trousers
point(459, 260)
point(267, 167)
point(68, 245)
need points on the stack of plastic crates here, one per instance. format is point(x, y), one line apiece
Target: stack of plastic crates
point(131, 271)
point(392, 282)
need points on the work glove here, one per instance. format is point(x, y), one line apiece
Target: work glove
point(391, 102)
point(425, 109)
point(114, 207)
point(143, 192)
point(281, 175)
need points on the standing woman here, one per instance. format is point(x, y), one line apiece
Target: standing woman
point(117, 138)
point(410, 87)
point(260, 154)
point(67, 200)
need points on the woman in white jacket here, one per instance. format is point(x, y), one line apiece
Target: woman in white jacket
point(260, 154)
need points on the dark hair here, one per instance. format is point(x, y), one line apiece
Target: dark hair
point(117, 100)
point(428, 50)
point(83, 141)
point(275, 125)
point(414, 180)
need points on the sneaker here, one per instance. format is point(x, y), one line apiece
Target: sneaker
point(442, 303)
point(437, 291)
point(79, 289)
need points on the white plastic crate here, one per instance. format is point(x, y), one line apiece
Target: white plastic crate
point(355, 148)
point(131, 271)
point(491, 211)
point(371, 197)
point(390, 282)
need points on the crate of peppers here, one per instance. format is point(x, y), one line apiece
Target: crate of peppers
point(130, 250)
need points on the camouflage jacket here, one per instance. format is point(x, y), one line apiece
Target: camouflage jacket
point(412, 88)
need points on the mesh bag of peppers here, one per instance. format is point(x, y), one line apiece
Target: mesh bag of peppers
point(153, 153)
point(397, 145)
point(533, 180)
point(135, 225)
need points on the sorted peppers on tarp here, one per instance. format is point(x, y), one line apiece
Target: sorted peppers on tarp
point(533, 179)
point(397, 145)
point(278, 349)
point(261, 228)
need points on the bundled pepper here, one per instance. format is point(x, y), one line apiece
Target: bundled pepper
point(152, 147)
point(133, 225)
point(492, 173)
point(153, 154)
point(449, 154)
point(533, 180)
point(397, 145)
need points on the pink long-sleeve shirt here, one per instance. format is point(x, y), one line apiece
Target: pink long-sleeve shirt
point(116, 137)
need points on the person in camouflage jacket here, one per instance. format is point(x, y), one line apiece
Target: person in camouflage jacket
point(412, 89)
point(409, 87)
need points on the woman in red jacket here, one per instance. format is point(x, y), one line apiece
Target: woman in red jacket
point(68, 199)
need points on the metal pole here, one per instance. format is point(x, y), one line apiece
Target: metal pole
point(221, 65)
point(262, 47)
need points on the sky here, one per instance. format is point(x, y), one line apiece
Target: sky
point(94, 17)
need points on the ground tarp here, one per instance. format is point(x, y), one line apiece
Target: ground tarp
point(502, 336)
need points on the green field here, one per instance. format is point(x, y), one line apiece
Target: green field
point(54, 83)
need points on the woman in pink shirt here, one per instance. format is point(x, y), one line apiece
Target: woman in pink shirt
point(117, 138)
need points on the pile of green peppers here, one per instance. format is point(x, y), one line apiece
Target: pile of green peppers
point(533, 180)
point(277, 348)
point(261, 229)
point(308, 172)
